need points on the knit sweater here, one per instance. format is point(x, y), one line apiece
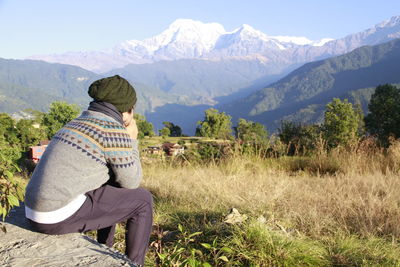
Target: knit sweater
point(81, 157)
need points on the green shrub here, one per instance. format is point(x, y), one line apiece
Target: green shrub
point(214, 152)
point(60, 113)
point(341, 123)
point(299, 139)
point(10, 190)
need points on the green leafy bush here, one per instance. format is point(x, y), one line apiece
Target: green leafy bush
point(214, 152)
point(60, 113)
point(341, 124)
point(299, 139)
point(215, 125)
point(145, 128)
point(383, 119)
point(251, 132)
point(10, 190)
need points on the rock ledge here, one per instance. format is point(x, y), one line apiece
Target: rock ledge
point(21, 247)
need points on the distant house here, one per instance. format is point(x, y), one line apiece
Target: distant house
point(172, 149)
point(156, 150)
point(36, 152)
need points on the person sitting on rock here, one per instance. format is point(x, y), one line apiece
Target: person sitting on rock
point(88, 177)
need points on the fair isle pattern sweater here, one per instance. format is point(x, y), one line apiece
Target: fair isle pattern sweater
point(80, 158)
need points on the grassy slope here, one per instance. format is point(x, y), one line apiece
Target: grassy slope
point(338, 209)
point(346, 218)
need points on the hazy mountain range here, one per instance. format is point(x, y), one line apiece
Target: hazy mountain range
point(192, 66)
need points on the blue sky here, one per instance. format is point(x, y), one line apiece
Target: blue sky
point(29, 27)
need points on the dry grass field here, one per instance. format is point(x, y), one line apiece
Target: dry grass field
point(337, 208)
point(340, 208)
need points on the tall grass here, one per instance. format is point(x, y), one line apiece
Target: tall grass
point(331, 208)
point(356, 202)
point(338, 207)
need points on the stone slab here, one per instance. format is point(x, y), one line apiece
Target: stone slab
point(22, 247)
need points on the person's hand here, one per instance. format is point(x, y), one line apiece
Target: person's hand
point(132, 129)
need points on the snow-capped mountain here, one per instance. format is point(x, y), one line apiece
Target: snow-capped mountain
point(380, 33)
point(184, 38)
point(190, 39)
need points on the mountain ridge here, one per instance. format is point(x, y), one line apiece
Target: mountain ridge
point(318, 82)
point(184, 38)
point(190, 39)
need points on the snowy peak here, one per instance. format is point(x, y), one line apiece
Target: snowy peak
point(293, 40)
point(393, 21)
point(251, 40)
point(195, 25)
point(189, 31)
point(281, 42)
point(322, 42)
point(183, 38)
point(380, 33)
point(248, 32)
point(246, 29)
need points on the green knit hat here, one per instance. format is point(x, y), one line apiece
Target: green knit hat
point(114, 90)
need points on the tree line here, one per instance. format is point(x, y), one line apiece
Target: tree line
point(343, 124)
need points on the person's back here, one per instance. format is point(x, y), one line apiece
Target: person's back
point(70, 189)
point(78, 159)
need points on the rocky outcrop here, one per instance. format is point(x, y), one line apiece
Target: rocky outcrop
point(22, 247)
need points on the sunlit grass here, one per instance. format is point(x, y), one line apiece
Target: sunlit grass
point(340, 208)
point(347, 192)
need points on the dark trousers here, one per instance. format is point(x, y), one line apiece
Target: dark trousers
point(103, 208)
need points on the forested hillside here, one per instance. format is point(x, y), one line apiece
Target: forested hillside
point(301, 94)
point(32, 84)
point(35, 84)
